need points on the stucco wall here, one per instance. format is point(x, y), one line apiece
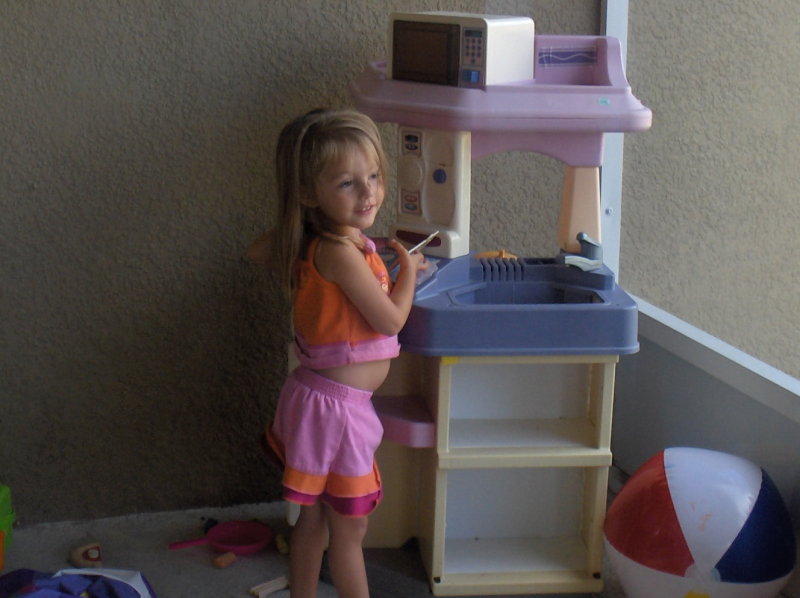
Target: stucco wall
point(141, 354)
point(711, 194)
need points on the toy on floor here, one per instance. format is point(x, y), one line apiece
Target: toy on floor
point(695, 523)
point(7, 518)
point(224, 560)
point(282, 544)
point(87, 555)
point(75, 583)
point(236, 537)
point(263, 590)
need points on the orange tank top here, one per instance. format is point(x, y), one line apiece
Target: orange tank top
point(329, 330)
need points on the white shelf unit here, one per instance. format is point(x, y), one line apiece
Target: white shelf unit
point(513, 497)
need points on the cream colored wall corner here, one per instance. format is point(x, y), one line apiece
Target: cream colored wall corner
point(710, 193)
point(141, 353)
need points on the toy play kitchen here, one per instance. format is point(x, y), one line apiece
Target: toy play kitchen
point(513, 358)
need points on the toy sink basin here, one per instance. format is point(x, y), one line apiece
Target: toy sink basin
point(529, 306)
point(521, 293)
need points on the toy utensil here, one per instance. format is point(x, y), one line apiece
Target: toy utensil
point(238, 537)
point(393, 266)
point(263, 590)
point(422, 244)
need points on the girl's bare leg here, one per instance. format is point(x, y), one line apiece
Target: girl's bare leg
point(346, 555)
point(309, 538)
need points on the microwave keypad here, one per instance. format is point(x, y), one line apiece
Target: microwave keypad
point(473, 47)
point(473, 58)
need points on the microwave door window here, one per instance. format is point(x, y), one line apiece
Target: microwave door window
point(426, 52)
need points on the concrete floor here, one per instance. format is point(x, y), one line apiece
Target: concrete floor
point(139, 543)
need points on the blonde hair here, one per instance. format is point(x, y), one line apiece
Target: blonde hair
point(306, 147)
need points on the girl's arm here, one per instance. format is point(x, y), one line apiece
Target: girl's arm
point(261, 251)
point(344, 264)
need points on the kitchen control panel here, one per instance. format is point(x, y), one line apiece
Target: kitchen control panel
point(433, 181)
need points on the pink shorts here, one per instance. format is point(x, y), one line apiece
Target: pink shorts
point(326, 434)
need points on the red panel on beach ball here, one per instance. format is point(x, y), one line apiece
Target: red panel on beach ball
point(641, 522)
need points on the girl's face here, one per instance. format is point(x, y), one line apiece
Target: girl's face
point(350, 192)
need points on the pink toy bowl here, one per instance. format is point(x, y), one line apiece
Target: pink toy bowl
point(239, 537)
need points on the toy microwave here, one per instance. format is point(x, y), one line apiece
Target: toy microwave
point(460, 49)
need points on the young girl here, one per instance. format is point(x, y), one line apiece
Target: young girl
point(346, 316)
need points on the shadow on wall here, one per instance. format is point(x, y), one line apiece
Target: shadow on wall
point(143, 352)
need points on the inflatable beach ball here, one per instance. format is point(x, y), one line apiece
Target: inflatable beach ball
point(695, 523)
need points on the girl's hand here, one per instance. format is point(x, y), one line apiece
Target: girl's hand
point(411, 262)
point(262, 250)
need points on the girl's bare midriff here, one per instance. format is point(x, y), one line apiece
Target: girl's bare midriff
point(368, 375)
